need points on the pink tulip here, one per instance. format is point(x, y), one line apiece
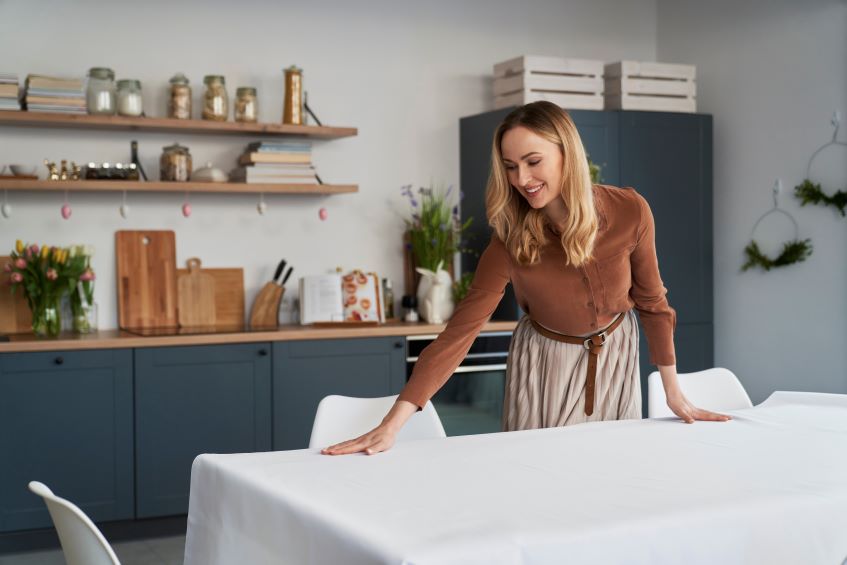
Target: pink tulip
point(7, 267)
point(20, 263)
point(16, 277)
point(34, 249)
point(52, 275)
point(87, 276)
point(28, 253)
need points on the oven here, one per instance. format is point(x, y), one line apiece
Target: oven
point(471, 401)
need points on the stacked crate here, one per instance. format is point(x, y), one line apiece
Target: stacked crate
point(634, 85)
point(570, 83)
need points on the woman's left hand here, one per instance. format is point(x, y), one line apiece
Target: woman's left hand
point(680, 406)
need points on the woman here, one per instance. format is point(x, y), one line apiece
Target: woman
point(580, 257)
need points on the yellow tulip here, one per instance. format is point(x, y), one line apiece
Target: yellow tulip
point(44, 251)
point(64, 257)
point(19, 246)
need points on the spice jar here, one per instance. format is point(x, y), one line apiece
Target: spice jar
point(292, 109)
point(100, 91)
point(129, 98)
point(246, 106)
point(216, 102)
point(175, 163)
point(179, 102)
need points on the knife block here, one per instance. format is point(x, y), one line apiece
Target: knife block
point(265, 310)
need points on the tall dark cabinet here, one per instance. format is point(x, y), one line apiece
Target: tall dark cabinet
point(667, 157)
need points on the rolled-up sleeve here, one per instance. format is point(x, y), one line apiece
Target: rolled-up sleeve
point(440, 358)
point(649, 293)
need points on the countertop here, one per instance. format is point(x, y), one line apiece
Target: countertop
point(112, 339)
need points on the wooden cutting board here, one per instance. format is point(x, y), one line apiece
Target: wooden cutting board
point(146, 278)
point(195, 296)
point(229, 295)
point(15, 316)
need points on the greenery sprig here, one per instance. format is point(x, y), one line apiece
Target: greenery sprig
point(794, 251)
point(811, 193)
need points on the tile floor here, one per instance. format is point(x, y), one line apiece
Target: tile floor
point(155, 551)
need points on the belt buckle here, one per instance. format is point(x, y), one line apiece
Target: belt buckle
point(588, 343)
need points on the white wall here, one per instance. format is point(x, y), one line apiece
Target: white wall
point(402, 72)
point(772, 72)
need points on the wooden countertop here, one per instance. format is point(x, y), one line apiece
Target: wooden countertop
point(113, 339)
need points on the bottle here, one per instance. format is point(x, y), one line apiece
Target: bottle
point(388, 296)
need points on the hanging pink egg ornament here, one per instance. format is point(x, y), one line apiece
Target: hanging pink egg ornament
point(323, 214)
point(186, 209)
point(66, 211)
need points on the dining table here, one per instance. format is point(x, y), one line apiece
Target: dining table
point(768, 486)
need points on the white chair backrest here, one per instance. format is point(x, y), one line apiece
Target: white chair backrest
point(713, 389)
point(82, 542)
point(340, 418)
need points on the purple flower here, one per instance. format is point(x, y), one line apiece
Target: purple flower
point(461, 195)
point(456, 211)
point(409, 246)
point(414, 202)
point(434, 242)
point(449, 190)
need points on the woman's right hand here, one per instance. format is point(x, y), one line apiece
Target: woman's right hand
point(381, 438)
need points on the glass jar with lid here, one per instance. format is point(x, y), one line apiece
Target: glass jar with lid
point(216, 101)
point(175, 163)
point(246, 105)
point(179, 102)
point(100, 91)
point(129, 98)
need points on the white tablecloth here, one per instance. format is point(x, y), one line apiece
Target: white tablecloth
point(768, 487)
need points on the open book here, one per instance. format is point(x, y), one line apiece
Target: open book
point(354, 297)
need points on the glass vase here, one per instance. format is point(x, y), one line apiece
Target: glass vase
point(47, 318)
point(85, 318)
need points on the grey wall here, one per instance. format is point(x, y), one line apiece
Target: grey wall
point(402, 72)
point(772, 72)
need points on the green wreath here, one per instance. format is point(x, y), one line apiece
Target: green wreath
point(794, 251)
point(811, 193)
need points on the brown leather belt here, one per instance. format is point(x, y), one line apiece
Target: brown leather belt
point(592, 343)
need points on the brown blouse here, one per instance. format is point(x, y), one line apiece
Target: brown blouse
point(623, 273)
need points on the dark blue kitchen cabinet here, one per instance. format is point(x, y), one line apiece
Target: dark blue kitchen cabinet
point(306, 371)
point(66, 420)
point(667, 157)
point(193, 400)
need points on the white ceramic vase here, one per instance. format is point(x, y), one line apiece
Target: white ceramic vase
point(435, 295)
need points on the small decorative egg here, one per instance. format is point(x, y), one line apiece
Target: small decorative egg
point(186, 209)
point(124, 209)
point(323, 214)
point(261, 207)
point(66, 211)
point(6, 209)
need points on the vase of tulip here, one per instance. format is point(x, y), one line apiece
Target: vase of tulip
point(43, 274)
point(81, 294)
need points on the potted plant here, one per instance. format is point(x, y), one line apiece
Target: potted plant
point(433, 234)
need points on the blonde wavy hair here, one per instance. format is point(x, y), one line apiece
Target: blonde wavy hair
point(514, 221)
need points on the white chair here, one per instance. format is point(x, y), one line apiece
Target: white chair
point(82, 542)
point(340, 418)
point(713, 389)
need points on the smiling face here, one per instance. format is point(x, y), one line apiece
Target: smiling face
point(533, 165)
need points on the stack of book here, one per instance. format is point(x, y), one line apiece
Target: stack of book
point(52, 94)
point(283, 162)
point(9, 91)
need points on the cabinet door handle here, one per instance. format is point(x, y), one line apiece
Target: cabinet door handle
point(59, 360)
point(398, 345)
point(263, 352)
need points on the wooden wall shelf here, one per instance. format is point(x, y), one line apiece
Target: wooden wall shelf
point(118, 123)
point(175, 187)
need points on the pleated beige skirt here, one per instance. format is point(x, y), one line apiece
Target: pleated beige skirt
point(545, 379)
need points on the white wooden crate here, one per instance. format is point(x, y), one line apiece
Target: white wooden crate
point(549, 65)
point(663, 87)
point(569, 83)
point(563, 100)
